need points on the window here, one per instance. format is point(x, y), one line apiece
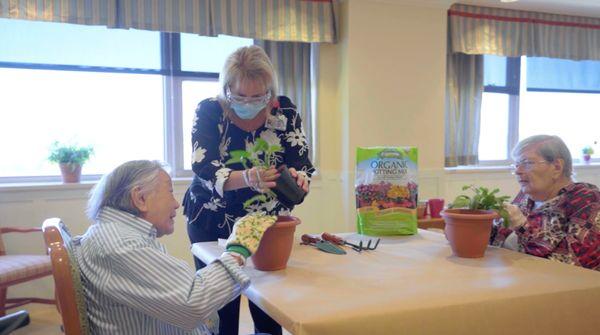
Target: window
point(130, 94)
point(527, 96)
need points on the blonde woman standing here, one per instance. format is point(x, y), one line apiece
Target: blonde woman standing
point(246, 110)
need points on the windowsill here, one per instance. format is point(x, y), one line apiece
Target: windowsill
point(476, 169)
point(46, 186)
point(317, 179)
point(88, 184)
point(498, 168)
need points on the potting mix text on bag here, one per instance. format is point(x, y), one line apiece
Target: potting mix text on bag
point(386, 190)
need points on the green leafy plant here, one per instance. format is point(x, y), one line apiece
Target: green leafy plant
point(252, 158)
point(69, 153)
point(252, 155)
point(587, 150)
point(484, 199)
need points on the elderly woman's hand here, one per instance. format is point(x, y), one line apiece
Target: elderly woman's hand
point(301, 179)
point(515, 215)
point(247, 233)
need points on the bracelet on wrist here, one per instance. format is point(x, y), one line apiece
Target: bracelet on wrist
point(249, 182)
point(245, 176)
point(257, 187)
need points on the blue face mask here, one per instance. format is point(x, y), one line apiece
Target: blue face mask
point(247, 111)
point(247, 108)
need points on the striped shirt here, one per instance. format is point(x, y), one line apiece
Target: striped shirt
point(132, 286)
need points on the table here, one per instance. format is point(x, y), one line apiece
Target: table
point(414, 285)
point(429, 222)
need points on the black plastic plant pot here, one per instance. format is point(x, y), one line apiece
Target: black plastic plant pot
point(287, 190)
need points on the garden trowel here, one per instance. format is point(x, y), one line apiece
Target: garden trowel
point(325, 246)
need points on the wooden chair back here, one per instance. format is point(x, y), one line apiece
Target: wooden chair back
point(67, 278)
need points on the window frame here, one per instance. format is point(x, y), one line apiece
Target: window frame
point(173, 76)
point(513, 87)
point(173, 79)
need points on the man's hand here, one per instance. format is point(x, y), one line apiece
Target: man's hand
point(247, 233)
point(515, 216)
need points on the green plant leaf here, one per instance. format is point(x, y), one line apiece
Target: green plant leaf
point(483, 199)
point(260, 145)
point(461, 201)
point(275, 148)
point(237, 156)
point(69, 153)
point(256, 198)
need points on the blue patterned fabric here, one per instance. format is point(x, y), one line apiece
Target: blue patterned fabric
point(214, 137)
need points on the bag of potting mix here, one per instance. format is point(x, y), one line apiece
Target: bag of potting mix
point(386, 190)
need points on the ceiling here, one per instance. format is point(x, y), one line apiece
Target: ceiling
point(590, 8)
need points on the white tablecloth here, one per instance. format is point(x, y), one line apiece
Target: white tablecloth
point(414, 285)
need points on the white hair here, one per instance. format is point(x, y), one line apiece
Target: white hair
point(550, 148)
point(114, 189)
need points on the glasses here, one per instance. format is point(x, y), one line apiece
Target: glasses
point(526, 164)
point(238, 99)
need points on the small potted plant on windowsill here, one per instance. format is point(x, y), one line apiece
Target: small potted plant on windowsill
point(587, 153)
point(70, 159)
point(469, 220)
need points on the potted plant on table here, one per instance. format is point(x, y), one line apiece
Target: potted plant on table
point(70, 159)
point(276, 244)
point(587, 153)
point(469, 220)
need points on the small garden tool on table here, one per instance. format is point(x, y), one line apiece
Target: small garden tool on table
point(322, 245)
point(356, 247)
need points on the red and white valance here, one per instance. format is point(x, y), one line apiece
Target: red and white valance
point(483, 30)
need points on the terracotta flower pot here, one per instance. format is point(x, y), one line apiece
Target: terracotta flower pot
point(71, 173)
point(276, 245)
point(468, 231)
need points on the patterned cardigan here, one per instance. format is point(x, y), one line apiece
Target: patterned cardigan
point(565, 228)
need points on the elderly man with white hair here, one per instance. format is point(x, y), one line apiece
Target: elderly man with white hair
point(553, 216)
point(131, 284)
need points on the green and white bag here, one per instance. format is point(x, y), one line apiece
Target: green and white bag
point(386, 190)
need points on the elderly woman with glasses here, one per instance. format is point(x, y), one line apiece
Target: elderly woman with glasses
point(552, 216)
point(247, 115)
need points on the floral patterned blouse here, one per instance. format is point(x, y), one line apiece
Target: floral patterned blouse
point(565, 228)
point(214, 136)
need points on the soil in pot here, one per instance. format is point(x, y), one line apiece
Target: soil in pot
point(468, 231)
point(276, 245)
point(71, 173)
point(287, 190)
